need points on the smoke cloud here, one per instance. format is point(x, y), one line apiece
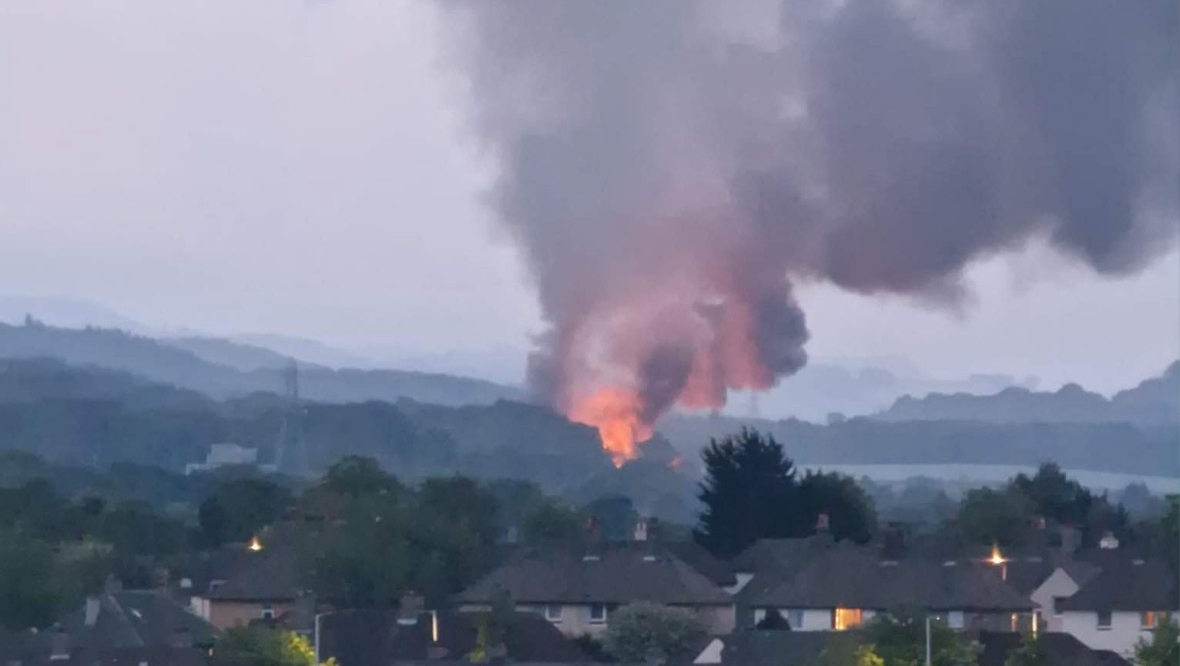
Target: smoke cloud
point(672, 167)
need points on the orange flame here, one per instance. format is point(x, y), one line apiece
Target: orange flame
point(615, 413)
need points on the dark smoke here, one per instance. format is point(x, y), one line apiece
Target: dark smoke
point(669, 166)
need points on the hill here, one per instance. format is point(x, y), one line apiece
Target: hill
point(1108, 447)
point(1153, 402)
point(179, 365)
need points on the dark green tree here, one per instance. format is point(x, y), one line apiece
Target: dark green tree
point(773, 620)
point(646, 632)
point(1030, 652)
point(262, 646)
point(238, 508)
point(1163, 649)
point(34, 588)
point(899, 638)
point(747, 493)
point(991, 516)
point(849, 509)
point(359, 475)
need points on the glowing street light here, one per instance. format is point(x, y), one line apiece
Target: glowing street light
point(255, 544)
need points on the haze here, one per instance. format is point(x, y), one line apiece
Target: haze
point(304, 168)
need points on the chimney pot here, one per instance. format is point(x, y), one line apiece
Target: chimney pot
point(821, 523)
point(411, 606)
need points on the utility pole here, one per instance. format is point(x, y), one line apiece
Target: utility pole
point(927, 639)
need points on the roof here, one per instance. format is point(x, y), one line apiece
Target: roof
point(126, 656)
point(373, 637)
point(133, 618)
point(781, 648)
point(1059, 649)
point(771, 554)
point(613, 575)
point(1133, 585)
point(271, 575)
point(696, 556)
point(851, 576)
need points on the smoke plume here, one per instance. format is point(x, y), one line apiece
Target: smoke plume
point(671, 167)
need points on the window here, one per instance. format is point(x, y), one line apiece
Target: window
point(1057, 604)
point(553, 613)
point(845, 618)
point(1104, 619)
point(268, 611)
point(795, 618)
point(597, 614)
point(954, 619)
point(760, 615)
point(1147, 619)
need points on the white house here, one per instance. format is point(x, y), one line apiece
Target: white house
point(1120, 605)
point(1067, 578)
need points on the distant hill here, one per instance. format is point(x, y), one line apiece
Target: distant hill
point(237, 355)
point(1154, 401)
point(180, 365)
point(1106, 447)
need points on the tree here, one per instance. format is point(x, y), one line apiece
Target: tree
point(842, 649)
point(1030, 652)
point(238, 508)
point(850, 510)
point(262, 646)
point(773, 621)
point(748, 488)
point(34, 589)
point(1164, 647)
point(359, 475)
point(990, 516)
point(643, 631)
point(899, 638)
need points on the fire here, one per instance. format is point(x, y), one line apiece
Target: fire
point(615, 413)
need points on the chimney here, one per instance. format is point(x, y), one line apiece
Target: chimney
point(1069, 539)
point(409, 608)
point(821, 523)
point(1108, 541)
point(641, 530)
point(113, 585)
point(59, 645)
point(93, 606)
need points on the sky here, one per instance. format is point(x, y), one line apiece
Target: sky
point(307, 168)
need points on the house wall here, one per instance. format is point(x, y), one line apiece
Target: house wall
point(227, 614)
point(575, 618)
point(1121, 637)
point(1058, 584)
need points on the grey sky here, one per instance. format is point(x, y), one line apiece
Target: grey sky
point(305, 168)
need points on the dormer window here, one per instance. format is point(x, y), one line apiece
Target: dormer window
point(1103, 620)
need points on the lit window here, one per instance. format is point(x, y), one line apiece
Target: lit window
point(553, 613)
point(1104, 619)
point(597, 614)
point(795, 618)
point(1147, 619)
point(954, 619)
point(845, 618)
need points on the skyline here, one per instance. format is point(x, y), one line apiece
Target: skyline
point(284, 208)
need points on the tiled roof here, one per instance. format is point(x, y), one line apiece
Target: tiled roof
point(133, 618)
point(1130, 585)
point(271, 575)
point(1060, 649)
point(373, 637)
point(611, 575)
point(693, 554)
point(855, 577)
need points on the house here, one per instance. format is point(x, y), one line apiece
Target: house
point(116, 628)
point(1121, 604)
point(263, 587)
point(134, 618)
point(822, 586)
point(228, 454)
point(376, 637)
point(1067, 577)
point(578, 591)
